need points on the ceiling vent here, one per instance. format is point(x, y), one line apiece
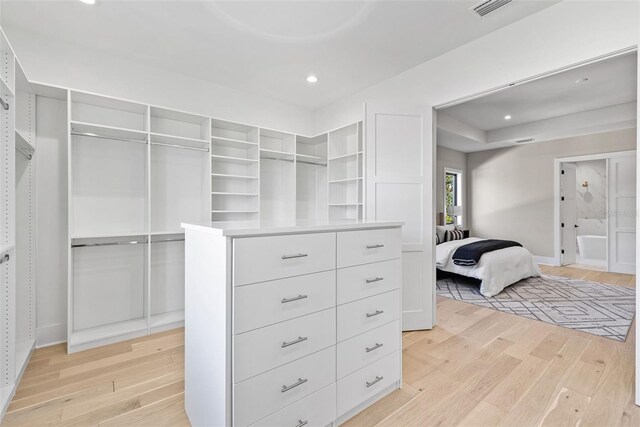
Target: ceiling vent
point(522, 141)
point(487, 6)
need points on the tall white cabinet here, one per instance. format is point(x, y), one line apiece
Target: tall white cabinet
point(136, 172)
point(17, 222)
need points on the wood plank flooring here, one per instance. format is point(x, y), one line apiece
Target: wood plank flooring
point(478, 367)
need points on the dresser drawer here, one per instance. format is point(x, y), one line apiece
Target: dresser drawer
point(367, 382)
point(264, 304)
point(366, 348)
point(366, 314)
point(266, 348)
point(361, 247)
point(369, 279)
point(267, 393)
point(258, 259)
point(315, 410)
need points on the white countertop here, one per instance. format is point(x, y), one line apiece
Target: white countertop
point(261, 228)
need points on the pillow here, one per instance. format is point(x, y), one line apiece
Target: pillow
point(441, 230)
point(451, 235)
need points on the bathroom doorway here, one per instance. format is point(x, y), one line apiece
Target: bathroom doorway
point(595, 211)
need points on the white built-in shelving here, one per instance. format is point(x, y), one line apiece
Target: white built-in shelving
point(17, 223)
point(138, 171)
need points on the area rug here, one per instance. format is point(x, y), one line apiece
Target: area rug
point(594, 308)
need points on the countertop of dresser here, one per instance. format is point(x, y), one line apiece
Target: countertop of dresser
point(262, 228)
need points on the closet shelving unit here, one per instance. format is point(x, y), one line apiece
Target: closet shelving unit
point(137, 171)
point(17, 222)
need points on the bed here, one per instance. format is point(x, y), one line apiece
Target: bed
point(496, 270)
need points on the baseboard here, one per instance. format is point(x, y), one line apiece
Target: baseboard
point(50, 335)
point(546, 260)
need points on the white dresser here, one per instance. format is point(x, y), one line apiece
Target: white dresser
point(291, 325)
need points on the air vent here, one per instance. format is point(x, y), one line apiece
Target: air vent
point(488, 6)
point(522, 141)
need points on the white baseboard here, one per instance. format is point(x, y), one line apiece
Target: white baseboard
point(50, 335)
point(546, 260)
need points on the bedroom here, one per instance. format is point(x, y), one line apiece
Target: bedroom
point(224, 213)
point(534, 165)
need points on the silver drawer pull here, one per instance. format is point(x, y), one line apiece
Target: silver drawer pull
point(294, 385)
point(375, 246)
point(375, 347)
point(4, 259)
point(296, 341)
point(378, 379)
point(302, 423)
point(299, 297)
point(294, 256)
point(375, 279)
point(375, 313)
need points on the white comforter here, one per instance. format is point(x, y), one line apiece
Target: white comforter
point(496, 269)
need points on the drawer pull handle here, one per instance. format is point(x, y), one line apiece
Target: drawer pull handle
point(375, 347)
point(302, 423)
point(294, 385)
point(299, 297)
point(375, 279)
point(378, 379)
point(296, 341)
point(294, 256)
point(375, 313)
point(375, 246)
point(4, 259)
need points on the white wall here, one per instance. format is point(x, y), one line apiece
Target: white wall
point(51, 221)
point(448, 158)
point(61, 64)
point(558, 36)
point(511, 190)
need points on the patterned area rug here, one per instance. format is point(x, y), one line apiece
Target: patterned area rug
point(594, 308)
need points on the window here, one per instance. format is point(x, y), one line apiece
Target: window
point(452, 196)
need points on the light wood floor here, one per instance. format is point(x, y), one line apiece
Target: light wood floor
point(478, 367)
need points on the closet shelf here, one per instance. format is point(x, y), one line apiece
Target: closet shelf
point(108, 235)
point(235, 211)
point(6, 248)
point(344, 157)
point(166, 232)
point(174, 139)
point(241, 160)
point(106, 132)
point(5, 89)
point(276, 155)
point(345, 204)
point(22, 142)
point(338, 181)
point(98, 333)
point(226, 176)
point(163, 319)
point(233, 143)
point(226, 193)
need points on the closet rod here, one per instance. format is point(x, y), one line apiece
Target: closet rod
point(115, 138)
point(134, 242)
point(168, 240)
point(4, 104)
point(180, 146)
point(291, 160)
point(24, 153)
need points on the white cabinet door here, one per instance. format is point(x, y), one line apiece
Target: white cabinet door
point(622, 216)
point(400, 186)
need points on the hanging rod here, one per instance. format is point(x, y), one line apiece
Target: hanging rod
point(291, 160)
point(115, 138)
point(4, 104)
point(180, 146)
point(24, 153)
point(168, 240)
point(133, 242)
point(4, 259)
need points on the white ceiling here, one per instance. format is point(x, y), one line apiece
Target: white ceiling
point(612, 82)
point(267, 47)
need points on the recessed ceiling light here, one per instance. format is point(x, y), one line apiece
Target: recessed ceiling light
point(582, 80)
point(88, 1)
point(312, 79)
point(507, 117)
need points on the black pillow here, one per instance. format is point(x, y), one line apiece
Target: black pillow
point(451, 235)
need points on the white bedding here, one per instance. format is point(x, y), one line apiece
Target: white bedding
point(496, 269)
